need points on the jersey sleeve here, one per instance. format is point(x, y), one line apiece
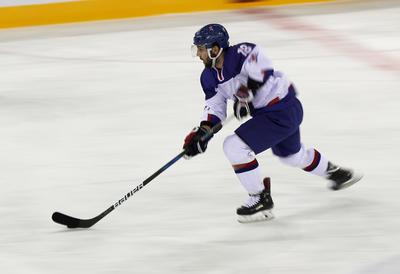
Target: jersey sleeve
point(215, 102)
point(257, 66)
point(208, 83)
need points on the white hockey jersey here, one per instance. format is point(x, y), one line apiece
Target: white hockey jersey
point(241, 62)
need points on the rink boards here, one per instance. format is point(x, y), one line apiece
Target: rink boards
point(44, 12)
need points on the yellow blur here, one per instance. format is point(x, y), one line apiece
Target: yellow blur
point(88, 10)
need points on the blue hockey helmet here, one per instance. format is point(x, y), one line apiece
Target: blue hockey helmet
point(210, 35)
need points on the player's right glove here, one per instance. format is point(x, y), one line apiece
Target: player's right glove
point(243, 106)
point(196, 141)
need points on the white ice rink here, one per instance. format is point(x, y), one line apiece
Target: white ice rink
point(88, 111)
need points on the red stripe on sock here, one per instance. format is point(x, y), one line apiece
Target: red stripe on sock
point(315, 162)
point(245, 167)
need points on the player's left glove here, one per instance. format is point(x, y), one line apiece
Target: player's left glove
point(243, 106)
point(196, 141)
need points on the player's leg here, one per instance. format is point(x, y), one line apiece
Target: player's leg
point(254, 136)
point(259, 203)
point(293, 153)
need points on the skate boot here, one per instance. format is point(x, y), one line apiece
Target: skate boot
point(258, 207)
point(341, 177)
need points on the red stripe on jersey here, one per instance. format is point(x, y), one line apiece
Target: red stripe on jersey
point(273, 102)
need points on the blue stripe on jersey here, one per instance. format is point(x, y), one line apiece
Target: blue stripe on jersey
point(267, 74)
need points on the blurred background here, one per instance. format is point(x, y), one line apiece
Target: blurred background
point(97, 95)
point(41, 12)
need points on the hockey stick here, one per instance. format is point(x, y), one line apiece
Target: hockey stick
point(72, 222)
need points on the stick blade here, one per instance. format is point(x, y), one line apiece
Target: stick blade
point(66, 220)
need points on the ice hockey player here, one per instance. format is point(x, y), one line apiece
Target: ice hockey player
point(244, 74)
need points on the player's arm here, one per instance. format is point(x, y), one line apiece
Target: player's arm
point(214, 112)
point(258, 68)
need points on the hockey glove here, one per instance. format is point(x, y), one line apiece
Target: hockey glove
point(196, 141)
point(243, 106)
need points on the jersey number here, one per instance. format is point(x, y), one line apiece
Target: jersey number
point(244, 49)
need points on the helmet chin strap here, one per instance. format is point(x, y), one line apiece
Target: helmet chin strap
point(214, 59)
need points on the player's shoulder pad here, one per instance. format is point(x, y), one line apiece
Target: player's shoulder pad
point(243, 48)
point(248, 44)
point(208, 83)
point(238, 54)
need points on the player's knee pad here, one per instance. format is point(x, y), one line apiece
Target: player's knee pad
point(299, 159)
point(237, 151)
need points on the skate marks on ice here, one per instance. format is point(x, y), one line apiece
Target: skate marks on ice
point(335, 210)
point(329, 39)
point(382, 266)
point(185, 227)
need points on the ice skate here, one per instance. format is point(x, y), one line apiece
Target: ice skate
point(258, 207)
point(341, 177)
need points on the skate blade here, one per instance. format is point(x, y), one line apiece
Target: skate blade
point(356, 177)
point(265, 215)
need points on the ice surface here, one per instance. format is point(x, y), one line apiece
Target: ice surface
point(89, 111)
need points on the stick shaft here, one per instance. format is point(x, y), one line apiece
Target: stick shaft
point(72, 222)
